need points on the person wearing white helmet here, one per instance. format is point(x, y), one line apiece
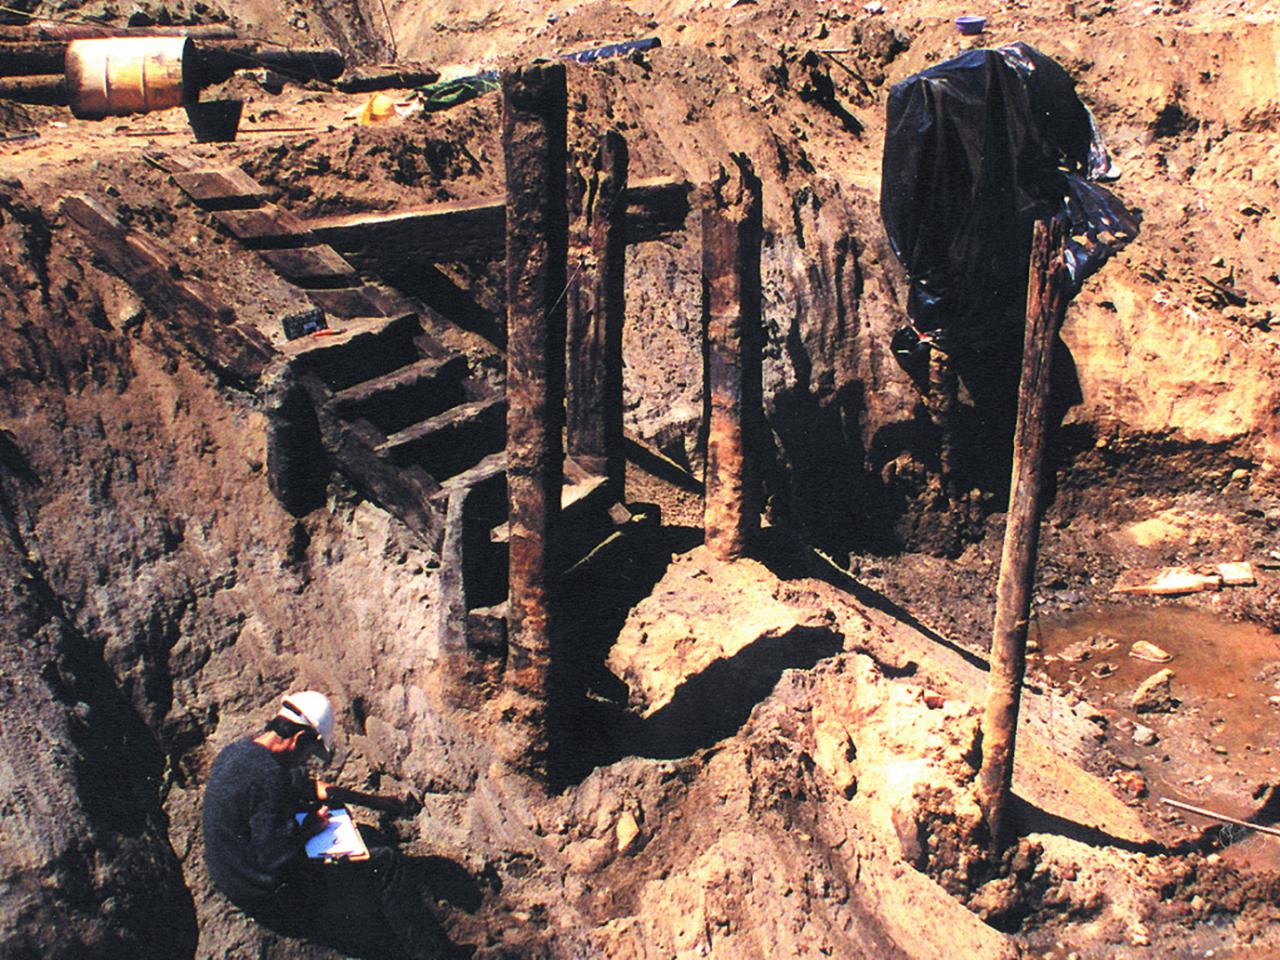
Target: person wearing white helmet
point(255, 843)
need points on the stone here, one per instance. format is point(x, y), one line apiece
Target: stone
point(1239, 574)
point(1143, 735)
point(1154, 694)
point(1144, 650)
point(627, 831)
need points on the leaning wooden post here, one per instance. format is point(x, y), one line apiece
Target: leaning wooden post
point(731, 238)
point(533, 142)
point(1048, 293)
point(597, 307)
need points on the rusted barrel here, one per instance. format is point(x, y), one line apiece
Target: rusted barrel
point(120, 75)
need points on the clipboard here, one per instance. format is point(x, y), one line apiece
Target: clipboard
point(339, 840)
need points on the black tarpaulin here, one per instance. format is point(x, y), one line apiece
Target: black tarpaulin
point(977, 149)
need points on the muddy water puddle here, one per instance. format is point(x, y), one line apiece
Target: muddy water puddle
point(1214, 742)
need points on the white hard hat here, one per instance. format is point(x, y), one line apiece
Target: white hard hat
point(311, 709)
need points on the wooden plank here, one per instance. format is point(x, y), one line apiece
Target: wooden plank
point(474, 230)
point(368, 300)
point(191, 311)
point(318, 266)
point(400, 446)
point(405, 378)
point(225, 189)
point(656, 207)
point(265, 227)
point(446, 232)
point(319, 350)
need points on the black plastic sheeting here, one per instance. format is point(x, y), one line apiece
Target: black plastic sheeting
point(977, 149)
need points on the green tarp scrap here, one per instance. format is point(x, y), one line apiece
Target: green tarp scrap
point(450, 93)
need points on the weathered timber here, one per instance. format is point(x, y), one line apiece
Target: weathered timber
point(392, 76)
point(266, 227)
point(315, 267)
point(367, 300)
point(494, 465)
point(216, 60)
point(368, 347)
point(444, 442)
point(195, 316)
point(731, 241)
point(23, 58)
point(228, 188)
point(297, 465)
point(450, 232)
point(56, 30)
point(46, 89)
point(470, 497)
point(941, 404)
point(446, 232)
point(534, 147)
point(402, 380)
point(656, 208)
point(1048, 293)
point(596, 311)
point(405, 491)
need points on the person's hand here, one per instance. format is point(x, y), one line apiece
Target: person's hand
point(322, 790)
point(315, 821)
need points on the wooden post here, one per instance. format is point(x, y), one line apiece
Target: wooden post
point(731, 238)
point(941, 403)
point(597, 307)
point(534, 148)
point(1048, 294)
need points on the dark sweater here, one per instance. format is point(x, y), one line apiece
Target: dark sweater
point(251, 838)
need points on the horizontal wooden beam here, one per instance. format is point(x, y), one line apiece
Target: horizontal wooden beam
point(450, 232)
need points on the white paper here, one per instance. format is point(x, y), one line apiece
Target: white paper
point(339, 838)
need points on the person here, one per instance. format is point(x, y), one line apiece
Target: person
point(255, 843)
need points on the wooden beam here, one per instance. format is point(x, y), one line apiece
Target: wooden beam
point(731, 241)
point(56, 30)
point(597, 309)
point(534, 103)
point(450, 232)
point(1048, 293)
point(47, 89)
point(192, 312)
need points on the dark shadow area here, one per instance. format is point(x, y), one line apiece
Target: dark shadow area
point(447, 881)
point(431, 285)
point(590, 724)
point(15, 461)
point(662, 467)
point(788, 558)
point(715, 703)
point(346, 906)
point(1027, 818)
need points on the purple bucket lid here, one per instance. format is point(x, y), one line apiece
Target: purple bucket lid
point(971, 25)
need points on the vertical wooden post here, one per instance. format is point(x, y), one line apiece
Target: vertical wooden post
point(597, 307)
point(941, 403)
point(534, 148)
point(732, 224)
point(1048, 294)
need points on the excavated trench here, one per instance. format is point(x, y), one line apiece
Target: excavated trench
point(756, 778)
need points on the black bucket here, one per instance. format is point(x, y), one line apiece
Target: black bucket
point(215, 121)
